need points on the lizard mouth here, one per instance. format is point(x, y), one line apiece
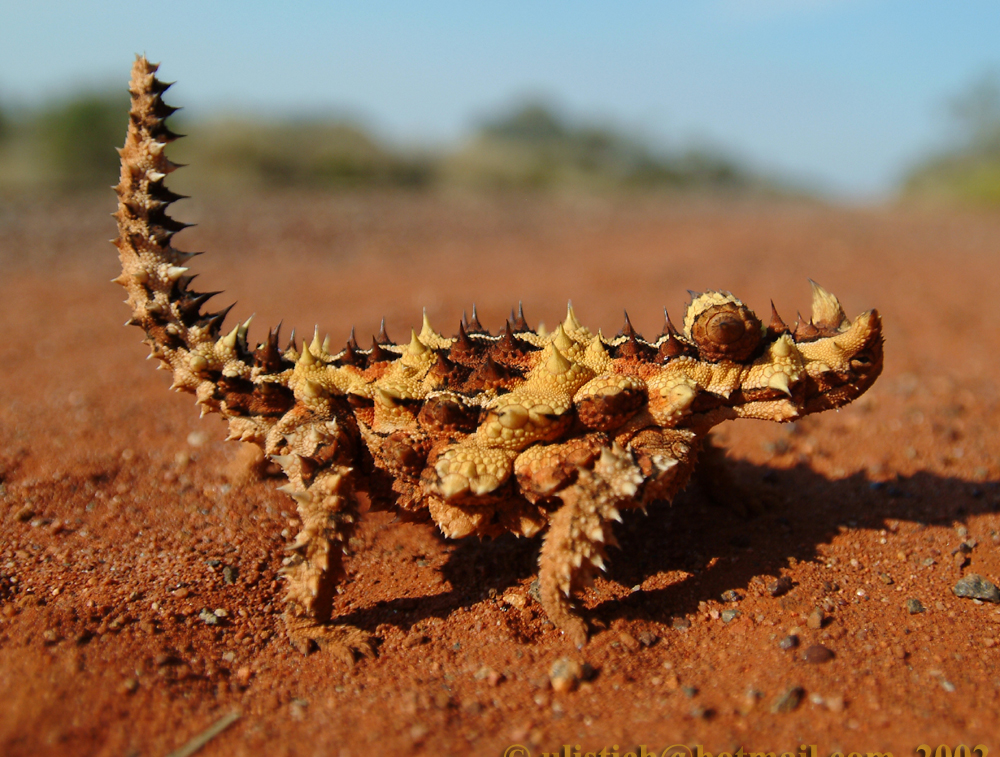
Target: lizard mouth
point(860, 366)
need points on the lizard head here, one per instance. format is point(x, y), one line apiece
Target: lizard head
point(822, 363)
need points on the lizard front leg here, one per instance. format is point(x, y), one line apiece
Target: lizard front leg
point(656, 465)
point(578, 532)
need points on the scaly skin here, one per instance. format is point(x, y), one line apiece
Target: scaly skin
point(484, 434)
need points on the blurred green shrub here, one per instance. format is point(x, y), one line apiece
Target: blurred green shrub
point(307, 153)
point(77, 137)
point(969, 172)
point(68, 144)
point(533, 147)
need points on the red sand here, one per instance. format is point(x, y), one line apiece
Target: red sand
point(123, 517)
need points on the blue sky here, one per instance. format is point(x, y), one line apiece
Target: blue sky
point(842, 93)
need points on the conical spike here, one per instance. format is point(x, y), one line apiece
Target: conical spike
point(427, 331)
point(416, 347)
point(596, 350)
point(627, 329)
point(507, 343)
point(668, 325)
point(571, 324)
point(267, 355)
point(213, 322)
point(561, 340)
point(473, 324)
point(383, 337)
point(827, 314)
point(776, 326)
point(380, 355)
point(316, 346)
point(442, 367)
point(805, 332)
point(490, 373)
point(229, 340)
point(306, 359)
point(557, 363)
point(779, 381)
point(350, 355)
point(518, 322)
point(462, 344)
point(291, 342)
point(353, 342)
point(244, 329)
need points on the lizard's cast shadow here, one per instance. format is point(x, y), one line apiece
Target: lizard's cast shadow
point(722, 532)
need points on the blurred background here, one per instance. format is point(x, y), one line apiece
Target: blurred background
point(841, 100)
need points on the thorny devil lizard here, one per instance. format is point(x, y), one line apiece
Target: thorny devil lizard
point(518, 432)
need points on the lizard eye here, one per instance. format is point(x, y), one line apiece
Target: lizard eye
point(728, 331)
point(860, 362)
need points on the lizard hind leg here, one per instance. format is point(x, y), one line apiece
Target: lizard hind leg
point(579, 531)
point(323, 487)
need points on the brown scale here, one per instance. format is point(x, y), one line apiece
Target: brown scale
point(447, 374)
point(510, 347)
point(672, 346)
point(243, 397)
point(603, 412)
point(463, 350)
point(559, 466)
point(267, 356)
point(445, 415)
point(405, 454)
point(633, 348)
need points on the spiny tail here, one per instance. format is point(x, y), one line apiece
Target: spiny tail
point(220, 370)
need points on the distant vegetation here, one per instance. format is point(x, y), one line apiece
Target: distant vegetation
point(67, 145)
point(970, 171)
point(533, 147)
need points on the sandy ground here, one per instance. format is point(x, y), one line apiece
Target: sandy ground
point(139, 597)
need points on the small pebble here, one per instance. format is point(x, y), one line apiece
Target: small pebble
point(789, 642)
point(415, 639)
point(974, 586)
point(129, 686)
point(817, 654)
point(886, 579)
point(835, 703)
point(914, 606)
point(25, 514)
point(229, 574)
point(628, 641)
point(729, 615)
point(208, 617)
point(681, 624)
point(731, 595)
point(788, 701)
point(815, 619)
point(690, 691)
point(515, 599)
point(781, 586)
point(565, 674)
point(648, 638)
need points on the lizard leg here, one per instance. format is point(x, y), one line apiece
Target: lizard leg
point(317, 459)
point(574, 546)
